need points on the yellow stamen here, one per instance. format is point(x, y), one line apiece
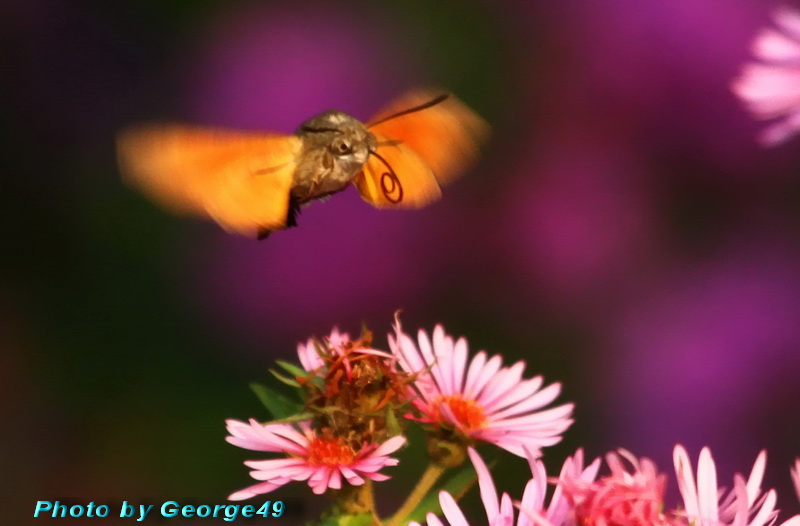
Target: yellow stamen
point(467, 412)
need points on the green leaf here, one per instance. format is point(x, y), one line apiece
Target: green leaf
point(284, 379)
point(292, 368)
point(456, 486)
point(296, 372)
point(392, 425)
point(278, 405)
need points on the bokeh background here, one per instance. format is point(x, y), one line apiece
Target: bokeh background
point(623, 233)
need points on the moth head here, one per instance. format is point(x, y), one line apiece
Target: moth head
point(344, 136)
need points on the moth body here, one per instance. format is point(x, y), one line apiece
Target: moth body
point(335, 147)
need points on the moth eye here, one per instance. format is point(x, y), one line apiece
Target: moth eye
point(342, 147)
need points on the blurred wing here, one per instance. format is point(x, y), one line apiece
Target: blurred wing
point(408, 184)
point(241, 180)
point(446, 135)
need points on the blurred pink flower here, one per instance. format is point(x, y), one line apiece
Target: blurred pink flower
point(625, 496)
point(484, 401)
point(687, 337)
point(270, 65)
point(771, 87)
point(795, 471)
point(321, 460)
point(575, 230)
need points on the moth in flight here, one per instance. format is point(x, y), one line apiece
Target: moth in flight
point(256, 183)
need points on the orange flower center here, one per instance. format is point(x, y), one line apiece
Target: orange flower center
point(468, 413)
point(324, 451)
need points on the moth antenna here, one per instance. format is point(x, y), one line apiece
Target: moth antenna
point(388, 178)
point(433, 102)
point(308, 129)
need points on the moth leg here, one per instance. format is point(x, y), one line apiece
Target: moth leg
point(294, 211)
point(291, 220)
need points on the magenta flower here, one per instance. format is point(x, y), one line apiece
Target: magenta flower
point(795, 471)
point(500, 511)
point(771, 87)
point(479, 400)
point(320, 458)
point(631, 494)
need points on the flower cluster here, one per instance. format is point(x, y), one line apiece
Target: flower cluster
point(358, 400)
point(356, 403)
point(350, 391)
point(631, 495)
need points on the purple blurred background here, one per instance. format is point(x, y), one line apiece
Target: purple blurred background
point(623, 233)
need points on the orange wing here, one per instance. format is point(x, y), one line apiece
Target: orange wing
point(241, 180)
point(446, 135)
point(409, 183)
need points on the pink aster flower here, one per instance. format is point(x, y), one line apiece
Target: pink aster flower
point(320, 459)
point(500, 511)
point(795, 471)
point(559, 512)
point(479, 400)
point(631, 494)
point(771, 87)
point(706, 504)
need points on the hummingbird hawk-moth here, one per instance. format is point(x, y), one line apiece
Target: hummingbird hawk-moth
point(255, 183)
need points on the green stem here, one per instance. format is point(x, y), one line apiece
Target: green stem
point(358, 500)
point(368, 498)
point(422, 488)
